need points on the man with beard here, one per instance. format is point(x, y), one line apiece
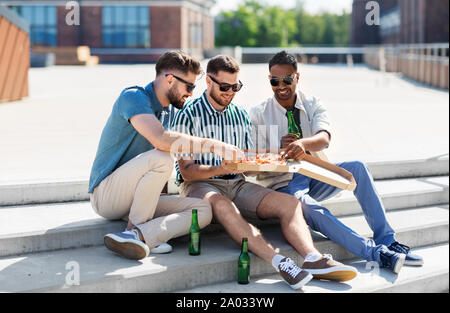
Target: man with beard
point(133, 165)
point(315, 134)
point(231, 197)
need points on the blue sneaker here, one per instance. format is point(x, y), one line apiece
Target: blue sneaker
point(127, 244)
point(392, 260)
point(411, 259)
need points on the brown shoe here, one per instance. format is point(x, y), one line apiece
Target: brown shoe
point(293, 275)
point(329, 269)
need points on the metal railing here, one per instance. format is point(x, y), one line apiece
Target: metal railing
point(425, 63)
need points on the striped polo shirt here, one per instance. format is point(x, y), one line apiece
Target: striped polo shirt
point(198, 118)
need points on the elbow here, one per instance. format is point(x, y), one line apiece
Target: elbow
point(187, 177)
point(161, 145)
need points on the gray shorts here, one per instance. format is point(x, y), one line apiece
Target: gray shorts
point(246, 196)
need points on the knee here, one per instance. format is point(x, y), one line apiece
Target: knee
point(204, 213)
point(289, 208)
point(220, 205)
point(360, 166)
point(357, 167)
point(165, 161)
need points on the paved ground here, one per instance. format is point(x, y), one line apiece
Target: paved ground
point(54, 133)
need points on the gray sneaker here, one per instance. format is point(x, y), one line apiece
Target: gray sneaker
point(127, 244)
point(293, 275)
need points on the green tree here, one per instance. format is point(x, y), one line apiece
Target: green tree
point(238, 28)
point(255, 24)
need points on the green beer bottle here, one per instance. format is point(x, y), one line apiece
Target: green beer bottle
point(194, 235)
point(244, 264)
point(292, 126)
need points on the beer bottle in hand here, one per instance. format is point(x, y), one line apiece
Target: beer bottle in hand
point(292, 126)
point(244, 264)
point(194, 235)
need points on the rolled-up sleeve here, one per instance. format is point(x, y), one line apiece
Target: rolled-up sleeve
point(320, 120)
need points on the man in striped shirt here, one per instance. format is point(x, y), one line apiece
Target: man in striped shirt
point(231, 197)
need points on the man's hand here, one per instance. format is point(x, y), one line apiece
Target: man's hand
point(287, 140)
point(228, 152)
point(295, 150)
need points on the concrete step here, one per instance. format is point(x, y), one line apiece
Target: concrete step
point(19, 193)
point(432, 277)
point(71, 225)
point(102, 271)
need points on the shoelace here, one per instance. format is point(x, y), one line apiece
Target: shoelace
point(134, 232)
point(386, 258)
point(404, 249)
point(289, 267)
point(328, 256)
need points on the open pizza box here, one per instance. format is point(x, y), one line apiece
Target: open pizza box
point(309, 166)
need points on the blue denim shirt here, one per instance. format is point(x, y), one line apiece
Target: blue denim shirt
point(120, 142)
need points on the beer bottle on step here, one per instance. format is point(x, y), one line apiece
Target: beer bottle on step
point(194, 235)
point(244, 264)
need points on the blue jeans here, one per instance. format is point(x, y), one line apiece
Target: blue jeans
point(310, 192)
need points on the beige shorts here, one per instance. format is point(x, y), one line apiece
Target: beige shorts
point(246, 196)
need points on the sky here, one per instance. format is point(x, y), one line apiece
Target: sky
point(312, 6)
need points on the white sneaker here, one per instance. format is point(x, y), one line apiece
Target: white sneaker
point(162, 248)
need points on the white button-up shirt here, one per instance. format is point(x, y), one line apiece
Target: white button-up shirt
point(270, 124)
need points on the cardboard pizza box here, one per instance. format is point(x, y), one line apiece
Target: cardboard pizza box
point(309, 166)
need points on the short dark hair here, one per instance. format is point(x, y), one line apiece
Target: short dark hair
point(283, 58)
point(222, 63)
point(179, 61)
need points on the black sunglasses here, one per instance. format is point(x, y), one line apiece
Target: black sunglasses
point(225, 87)
point(288, 80)
point(190, 87)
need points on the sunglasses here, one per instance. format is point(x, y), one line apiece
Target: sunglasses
point(288, 80)
point(225, 87)
point(190, 87)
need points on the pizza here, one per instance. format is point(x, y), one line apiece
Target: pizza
point(264, 158)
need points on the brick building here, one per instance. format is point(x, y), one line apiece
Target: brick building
point(121, 30)
point(402, 22)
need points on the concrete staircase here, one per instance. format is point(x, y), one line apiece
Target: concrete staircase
point(50, 237)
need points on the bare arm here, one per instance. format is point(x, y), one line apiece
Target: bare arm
point(192, 172)
point(296, 149)
point(148, 126)
point(318, 142)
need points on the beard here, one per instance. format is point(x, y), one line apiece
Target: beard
point(176, 99)
point(219, 100)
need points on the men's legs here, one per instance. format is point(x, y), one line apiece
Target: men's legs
point(229, 216)
point(369, 200)
point(134, 188)
point(133, 191)
point(320, 219)
point(288, 210)
point(172, 218)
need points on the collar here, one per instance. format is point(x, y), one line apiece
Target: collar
point(156, 105)
point(298, 103)
point(211, 110)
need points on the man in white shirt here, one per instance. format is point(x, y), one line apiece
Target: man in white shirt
point(270, 124)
